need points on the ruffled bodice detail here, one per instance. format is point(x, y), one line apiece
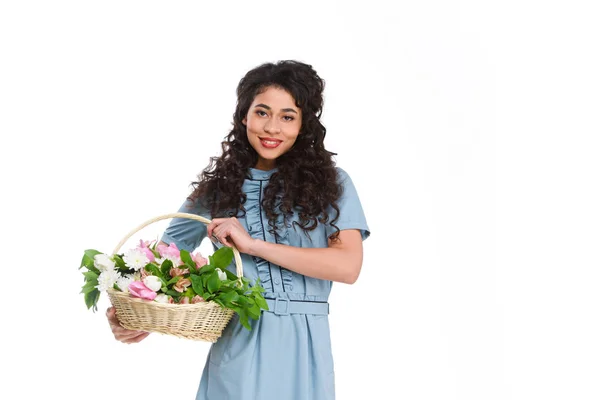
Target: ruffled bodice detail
point(274, 278)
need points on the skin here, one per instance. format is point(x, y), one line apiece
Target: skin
point(273, 115)
point(121, 334)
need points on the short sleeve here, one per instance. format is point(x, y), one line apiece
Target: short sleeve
point(351, 215)
point(187, 233)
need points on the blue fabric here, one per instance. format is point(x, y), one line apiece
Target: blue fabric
point(283, 357)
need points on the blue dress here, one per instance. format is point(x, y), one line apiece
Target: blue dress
point(287, 354)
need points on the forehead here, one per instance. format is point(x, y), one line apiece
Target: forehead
point(276, 98)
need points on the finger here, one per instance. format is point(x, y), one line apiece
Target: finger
point(222, 232)
point(125, 334)
point(138, 338)
point(214, 223)
point(111, 314)
point(130, 336)
point(226, 241)
point(118, 330)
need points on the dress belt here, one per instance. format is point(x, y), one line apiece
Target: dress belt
point(281, 306)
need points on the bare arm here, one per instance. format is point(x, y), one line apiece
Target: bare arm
point(340, 262)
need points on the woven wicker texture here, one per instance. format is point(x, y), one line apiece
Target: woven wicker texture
point(200, 321)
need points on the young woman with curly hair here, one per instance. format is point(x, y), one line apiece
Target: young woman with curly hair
point(277, 196)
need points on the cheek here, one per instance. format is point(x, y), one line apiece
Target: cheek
point(292, 135)
point(253, 125)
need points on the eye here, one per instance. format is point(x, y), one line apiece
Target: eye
point(290, 118)
point(261, 112)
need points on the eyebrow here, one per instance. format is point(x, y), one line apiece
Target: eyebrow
point(269, 108)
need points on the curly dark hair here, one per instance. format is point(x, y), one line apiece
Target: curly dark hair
point(306, 177)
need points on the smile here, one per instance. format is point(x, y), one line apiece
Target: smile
point(270, 143)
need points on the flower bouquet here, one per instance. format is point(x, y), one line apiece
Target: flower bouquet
point(159, 288)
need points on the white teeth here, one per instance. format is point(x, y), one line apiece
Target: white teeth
point(270, 142)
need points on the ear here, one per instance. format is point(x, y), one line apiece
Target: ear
point(244, 121)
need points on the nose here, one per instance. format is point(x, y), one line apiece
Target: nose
point(272, 127)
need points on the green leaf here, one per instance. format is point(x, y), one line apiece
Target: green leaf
point(261, 302)
point(197, 284)
point(166, 267)
point(154, 269)
point(219, 302)
point(91, 275)
point(91, 299)
point(258, 287)
point(189, 293)
point(214, 283)
point(231, 275)
point(187, 259)
point(173, 293)
point(88, 258)
point(173, 280)
point(89, 286)
point(230, 297)
point(244, 319)
point(119, 263)
point(254, 311)
point(223, 257)
point(206, 269)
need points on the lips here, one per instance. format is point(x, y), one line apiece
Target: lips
point(270, 143)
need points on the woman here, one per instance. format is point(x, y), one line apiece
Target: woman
point(276, 195)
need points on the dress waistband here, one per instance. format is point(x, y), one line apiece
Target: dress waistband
point(281, 306)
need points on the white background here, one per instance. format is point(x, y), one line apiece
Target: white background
point(470, 129)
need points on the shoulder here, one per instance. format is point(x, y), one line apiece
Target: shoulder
point(342, 175)
point(195, 206)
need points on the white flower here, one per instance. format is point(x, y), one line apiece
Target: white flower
point(136, 259)
point(107, 279)
point(153, 282)
point(137, 276)
point(175, 259)
point(124, 281)
point(222, 275)
point(103, 262)
point(162, 298)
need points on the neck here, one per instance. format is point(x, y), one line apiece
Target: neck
point(264, 165)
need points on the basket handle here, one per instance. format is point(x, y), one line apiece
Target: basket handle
point(236, 254)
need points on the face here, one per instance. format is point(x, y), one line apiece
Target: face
point(272, 124)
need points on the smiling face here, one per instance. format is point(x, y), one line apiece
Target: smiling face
point(272, 124)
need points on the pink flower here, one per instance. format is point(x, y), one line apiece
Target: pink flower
point(178, 272)
point(184, 300)
point(167, 252)
point(170, 252)
point(138, 289)
point(145, 247)
point(199, 260)
point(182, 285)
point(198, 299)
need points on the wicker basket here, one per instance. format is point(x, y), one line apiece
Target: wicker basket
point(201, 321)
